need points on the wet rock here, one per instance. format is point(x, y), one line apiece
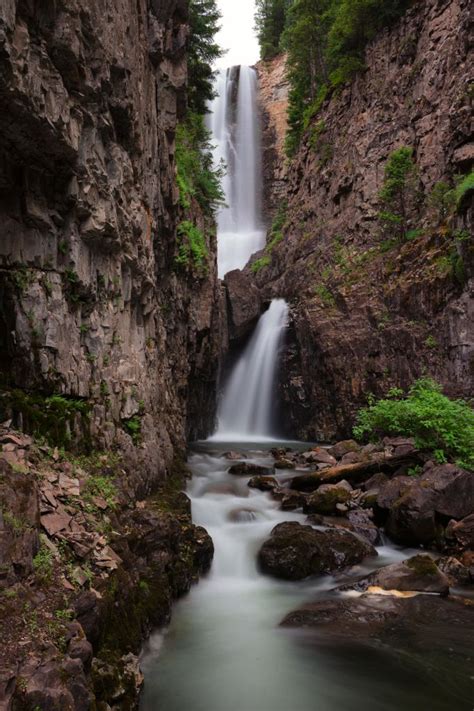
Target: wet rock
point(417, 574)
point(295, 551)
point(244, 303)
point(399, 622)
point(242, 515)
point(284, 464)
point(318, 455)
point(306, 482)
point(392, 490)
point(462, 532)
point(263, 483)
point(292, 500)
point(445, 490)
point(375, 482)
point(249, 469)
point(339, 449)
point(234, 456)
point(362, 524)
point(326, 498)
point(455, 571)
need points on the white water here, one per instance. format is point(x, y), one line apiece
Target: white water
point(236, 136)
point(247, 403)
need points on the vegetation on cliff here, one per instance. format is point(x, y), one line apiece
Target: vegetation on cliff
point(325, 42)
point(442, 426)
point(197, 178)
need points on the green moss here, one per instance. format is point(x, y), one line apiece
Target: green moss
point(326, 297)
point(464, 188)
point(192, 247)
point(260, 264)
point(134, 428)
point(423, 565)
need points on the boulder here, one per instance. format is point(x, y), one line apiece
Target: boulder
point(417, 574)
point(284, 464)
point(326, 498)
point(462, 532)
point(249, 469)
point(242, 515)
point(375, 482)
point(442, 491)
point(319, 455)
point(234, 456)
point(263, 483)
point(339, 449)
point(295, 551)
point(455, 571)
point(292, 500)
point(244, 303)
point(361, 523)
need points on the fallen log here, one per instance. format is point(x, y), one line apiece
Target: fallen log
point(353, 472)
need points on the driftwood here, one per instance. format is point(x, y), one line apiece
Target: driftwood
point(353, 472)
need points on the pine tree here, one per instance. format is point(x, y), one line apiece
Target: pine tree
point(203, 50)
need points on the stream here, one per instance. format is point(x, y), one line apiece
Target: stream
point(224, 649)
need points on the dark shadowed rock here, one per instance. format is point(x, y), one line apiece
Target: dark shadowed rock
point(455, 571)
point(244, 303)
point(445, 491)
point(462, 532)
point(246, 468)
point(263, 483)
point(319, 455)
point(295, 551)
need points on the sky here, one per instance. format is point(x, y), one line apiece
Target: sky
point(237, 34)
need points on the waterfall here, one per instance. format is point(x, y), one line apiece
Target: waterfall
point(235, 129)
point(245, 411)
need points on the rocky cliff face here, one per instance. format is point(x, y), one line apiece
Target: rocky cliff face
point(93, 306)
point(107, 345)
point(368, 313)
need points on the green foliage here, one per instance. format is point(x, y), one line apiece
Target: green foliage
point(325, 41)
point(442, 203)
point(325, 295)
point(192, 248)
point(260, 263)
point(270, 20)
point(442, 426)
point(134, 428)
point(464, 188)
point(431, 342)
point(43, 564)
point(52, 417)
point(202, 52)
point(398, 192)
point(99, 485)
point(197, 177)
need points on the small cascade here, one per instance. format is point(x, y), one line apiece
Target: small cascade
point(245, 411)
point(235, 129)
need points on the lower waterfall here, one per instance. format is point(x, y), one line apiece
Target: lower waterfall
point(245, 410)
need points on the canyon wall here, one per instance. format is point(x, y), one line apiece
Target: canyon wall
point(94, 306)
point(370, 313)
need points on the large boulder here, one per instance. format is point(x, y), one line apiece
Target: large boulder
point(462, 532)
point(295, 551)
point(244, 303)
point(442, 492)
point(325, 499)
point(418, 574)
point(339, 449)
point(319, 455)
point(263, 483)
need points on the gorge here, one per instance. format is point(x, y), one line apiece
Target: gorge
point(231, 364)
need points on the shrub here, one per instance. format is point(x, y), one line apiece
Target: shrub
point(192, 248)
point(440, 425)
point(43, 564)
point(398, 191)
point(464, 188)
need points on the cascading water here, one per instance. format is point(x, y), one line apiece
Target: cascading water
point(235, 129)
point(245, 411)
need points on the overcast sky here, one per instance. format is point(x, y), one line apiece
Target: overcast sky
point(237, 34)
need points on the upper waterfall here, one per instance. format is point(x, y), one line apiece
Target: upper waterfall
point(235, 128)
point(247, 404)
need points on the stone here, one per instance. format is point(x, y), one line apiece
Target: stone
point(462, 531)
point(327, 497)
point(244, 303)
point(318, 455)
point(55, 523)
point(455, 571)
point(292, 500)
point(295, 551)
point(242, 515)
point(234, 456)
point(263, 483)
point(362, 524)
point(284, 464)
point(249, 469)
point(417, 574)
point(339, 449)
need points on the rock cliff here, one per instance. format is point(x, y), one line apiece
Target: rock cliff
point(370, 313)
point(108, 346)
point(93, 305)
